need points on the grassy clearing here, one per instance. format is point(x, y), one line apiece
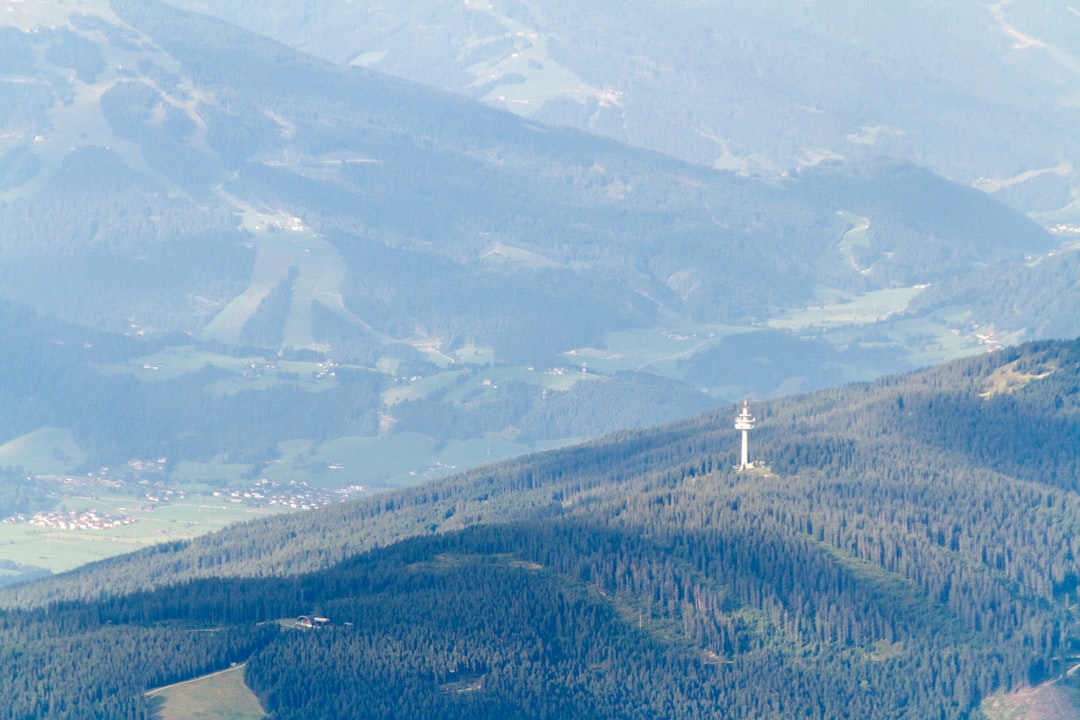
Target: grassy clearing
point(228, 324)
point(384, 461)
point(276, 254)
point(1007, 379)
point(490, 380)
point(460, 386)
point(321, 274)
point(248, 373)
point(60, 550)
point(45, 451)
point(867, 308)
point(946, 335)
point(391, 460)
point(854, 238)
point(283, 245)
point(179, 361)
point(655, 349)
point(55, 550)
point(221, 696)
point(539, 77)
point(894, 589)
point(929, 343)
point(475, 355)
point(470, 453)
point(422, 388)
point(432, 349)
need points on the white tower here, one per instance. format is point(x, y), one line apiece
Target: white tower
point(745, 421)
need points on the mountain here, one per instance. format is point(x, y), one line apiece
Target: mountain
point(231, 266)
point(984, 94)
point(230, 269)
point(901, 548)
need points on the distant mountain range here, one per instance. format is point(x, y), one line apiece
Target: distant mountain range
point(258, 264)
point(465, 233)
point(983, 94)
point(900, 549)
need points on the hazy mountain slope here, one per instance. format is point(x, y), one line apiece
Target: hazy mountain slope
point(1012, 414)
point(906, 552)
point(1040, 293)
point(574, 201)
point(980, 93)
point(337, 270)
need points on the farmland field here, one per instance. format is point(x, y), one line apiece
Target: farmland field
point(655, 349)
point(843, 309)
point(58, 549)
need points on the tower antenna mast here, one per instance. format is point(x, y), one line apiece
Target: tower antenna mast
point(744, 421)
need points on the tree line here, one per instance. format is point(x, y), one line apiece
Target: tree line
point(879, 568)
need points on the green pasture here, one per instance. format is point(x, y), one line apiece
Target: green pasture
point(282, 246)
point(844, 309)
point(432, 351)
point(422, 388)
point(436, 352)
point(553, 380)
point(544, 78)
point(474, 386)
point(461, 454)
point(490, 380)
point(276, 253)
point(656, 349)
point(45, 451)
point(173, 363)
point(221, 696)
point(470, 354)
point(229, 322)
point(945, 335)
point(384, 461)
point(248, 372)
point(391, 460)
point(60, 550)
point(320, 277)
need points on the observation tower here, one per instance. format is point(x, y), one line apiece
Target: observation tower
point(744, 421)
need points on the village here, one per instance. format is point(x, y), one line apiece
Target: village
point(73, 520)
point(151, 495)
point(296, 495)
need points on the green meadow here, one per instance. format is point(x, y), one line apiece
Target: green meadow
point(221, 696)
point(27, 545)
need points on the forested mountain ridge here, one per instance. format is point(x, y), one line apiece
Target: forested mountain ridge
point(908, 549)
point(427, 282)
point(265, 266)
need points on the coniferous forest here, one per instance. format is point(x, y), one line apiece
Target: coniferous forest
point(239, 260)
point(906, 549)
